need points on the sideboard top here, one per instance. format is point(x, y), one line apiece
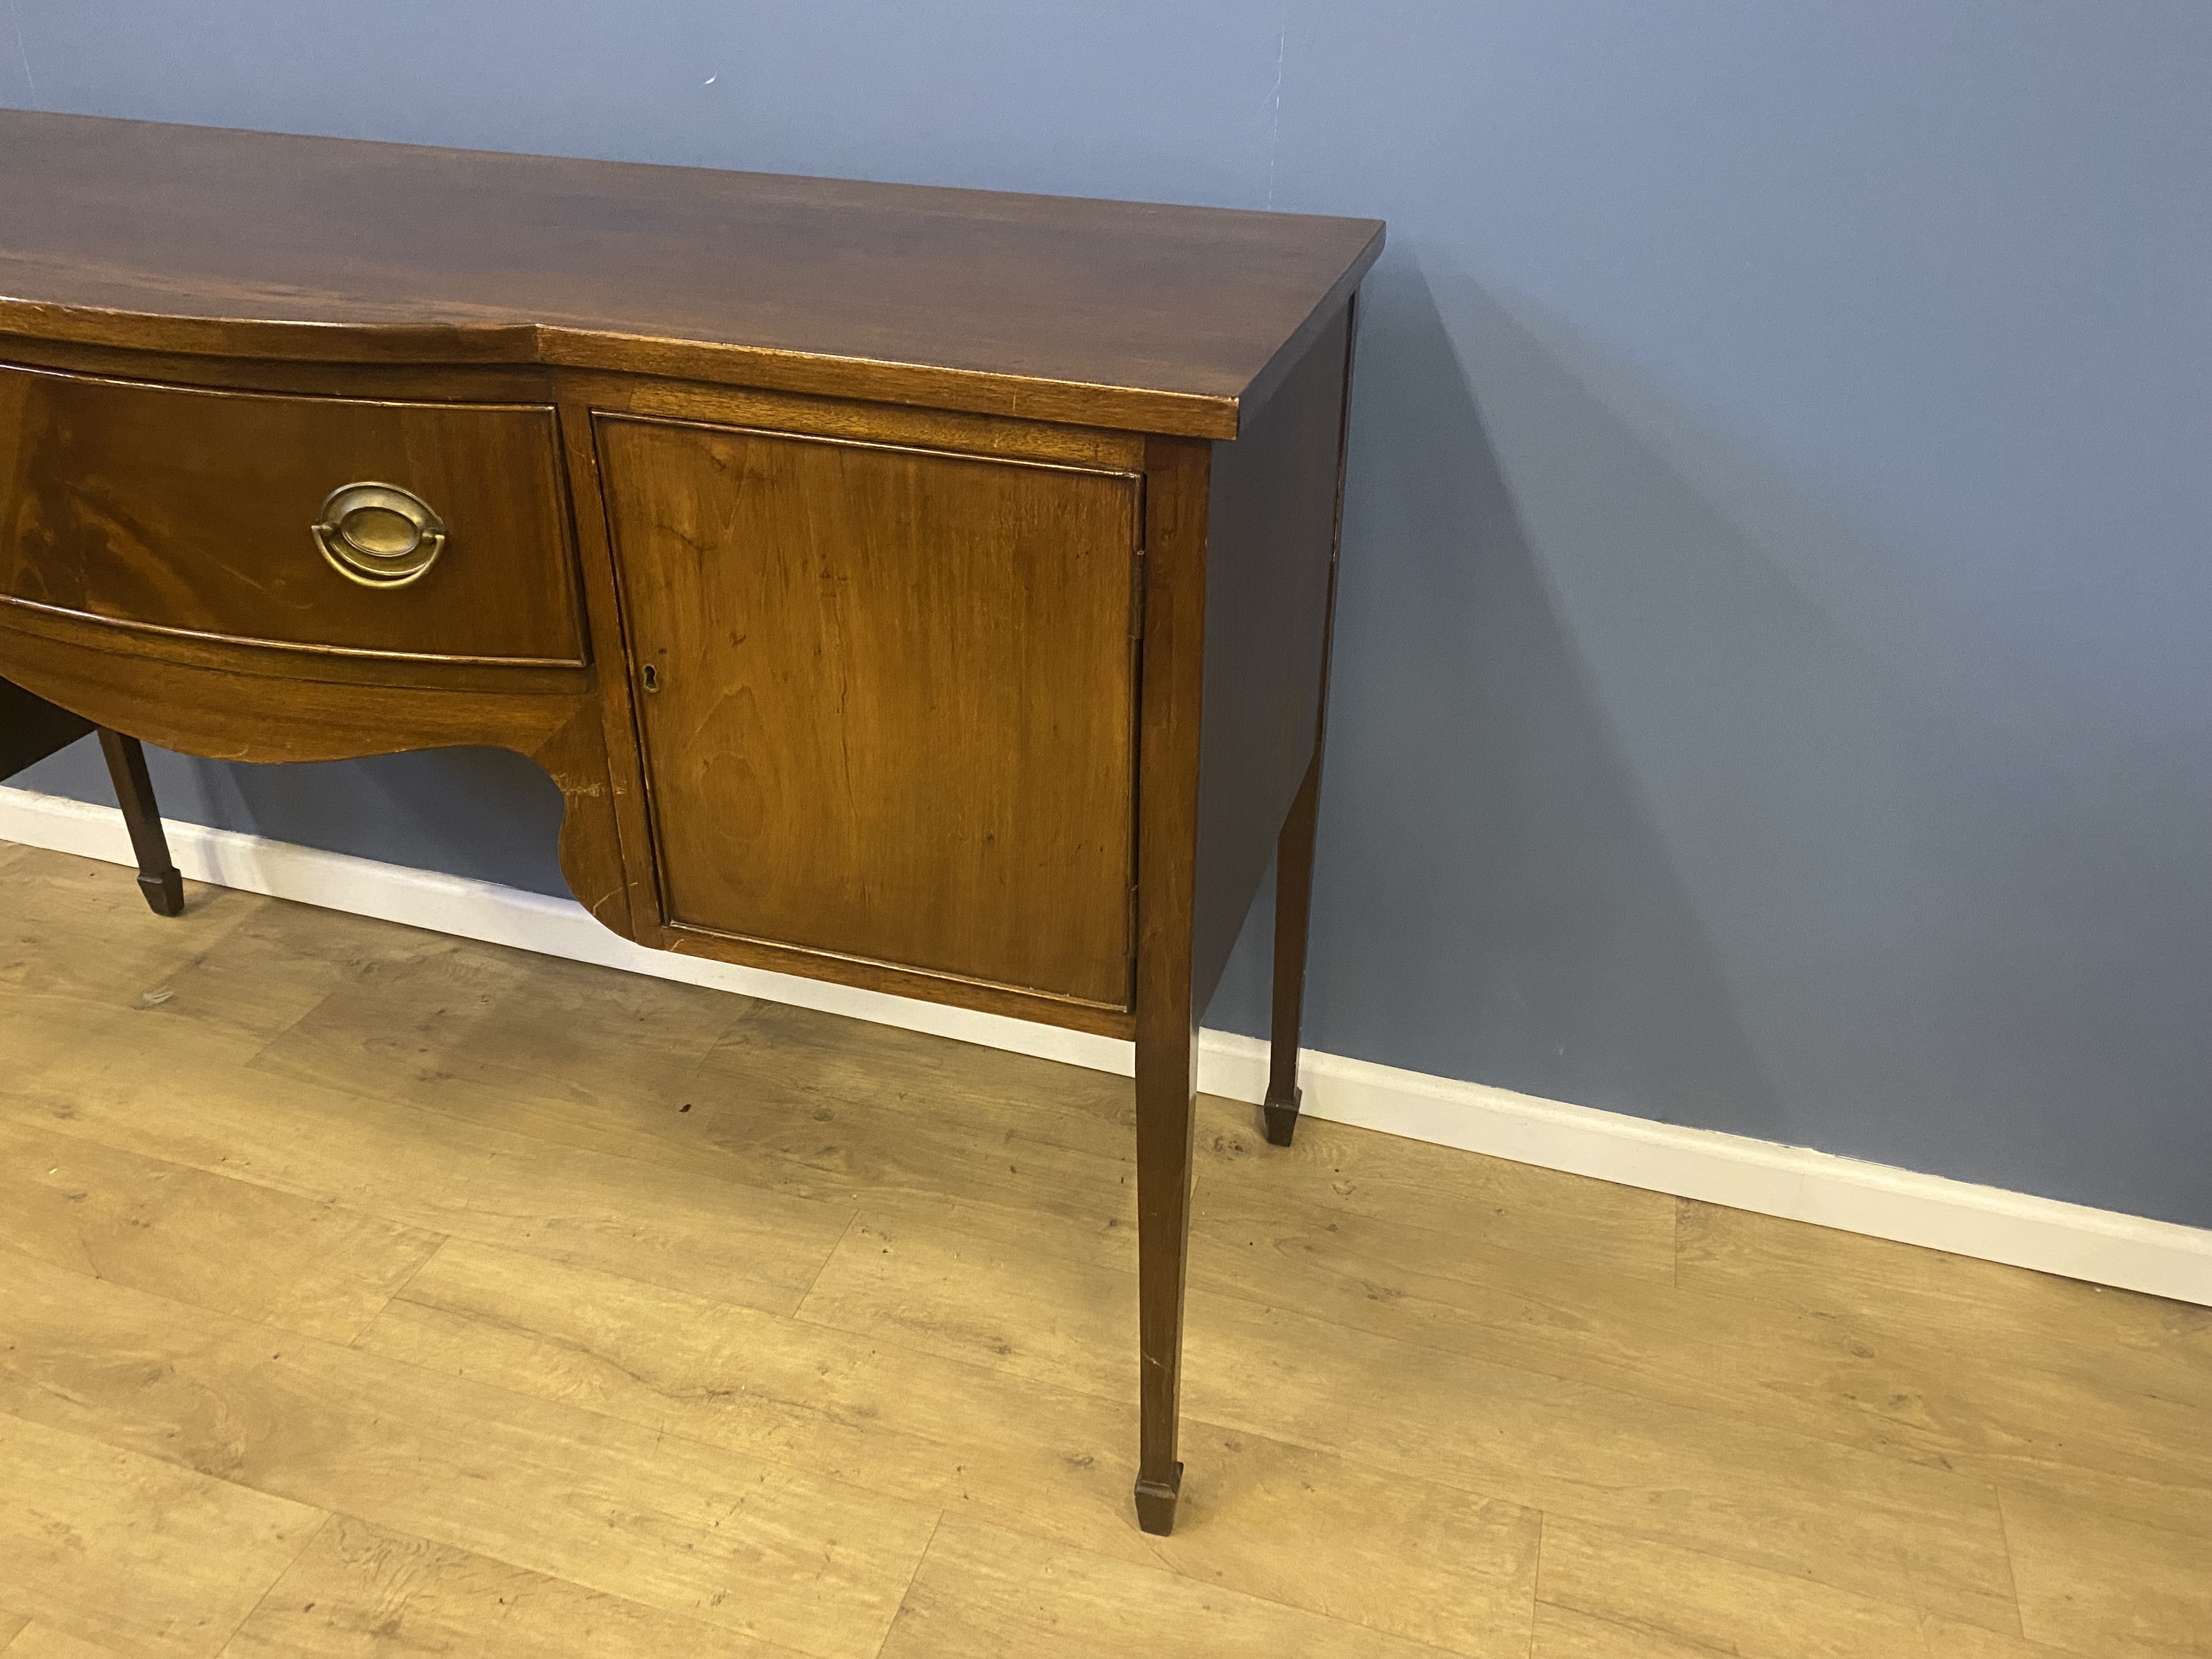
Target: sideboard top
point(1173, 320)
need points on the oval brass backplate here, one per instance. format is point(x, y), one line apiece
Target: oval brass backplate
point(378, 535)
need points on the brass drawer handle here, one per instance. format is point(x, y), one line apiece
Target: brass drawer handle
point(378, 535)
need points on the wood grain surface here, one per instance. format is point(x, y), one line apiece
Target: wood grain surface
point(1115, 314)
point(369, 1292)
point(888, 698)
point(190, 510)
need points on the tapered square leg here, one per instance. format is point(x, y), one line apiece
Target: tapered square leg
point(158, 879)
point(1166, 1079)
point(1156, 1504)
point(1294, 865)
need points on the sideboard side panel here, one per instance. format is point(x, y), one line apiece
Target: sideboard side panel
point(609, 633)
point(1271, 544)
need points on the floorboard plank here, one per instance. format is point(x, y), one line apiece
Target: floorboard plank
point(1259, 1516)
point(887, 1122)
point(1706, 1603)
point(1882, 1527)
point(1563, 1633)
point(2106, 1585)
point(44, 1642)
point(2009, 1316)
point(1843, 1374)
point(228, 1245)
point(1946, 1639)
point(360, 1591)
point(427, 1170)
point(79, 957)
point(729, 1539)
point(986, 1592)
point(130, 1552)
point(1517, 1208)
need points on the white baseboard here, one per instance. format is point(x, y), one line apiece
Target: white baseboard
point(2101, 1246)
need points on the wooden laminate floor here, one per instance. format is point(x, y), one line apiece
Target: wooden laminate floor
point(366, 1292)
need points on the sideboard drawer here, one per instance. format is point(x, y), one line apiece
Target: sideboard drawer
point(217, 513)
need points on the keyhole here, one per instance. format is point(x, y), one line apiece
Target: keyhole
point(652, 678)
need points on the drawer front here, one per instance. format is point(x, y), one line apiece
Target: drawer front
point(197, 511)
point(886, 696)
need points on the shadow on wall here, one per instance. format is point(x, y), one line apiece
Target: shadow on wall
point(1731, 817)
point(1495, 900)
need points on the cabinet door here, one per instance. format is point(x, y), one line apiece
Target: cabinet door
point(887, 698)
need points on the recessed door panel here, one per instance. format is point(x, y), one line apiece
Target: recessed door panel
point(886, 698)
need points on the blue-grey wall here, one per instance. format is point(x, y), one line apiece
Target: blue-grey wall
point(1775, 657)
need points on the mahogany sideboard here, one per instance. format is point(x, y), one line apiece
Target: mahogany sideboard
point(924, 589)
